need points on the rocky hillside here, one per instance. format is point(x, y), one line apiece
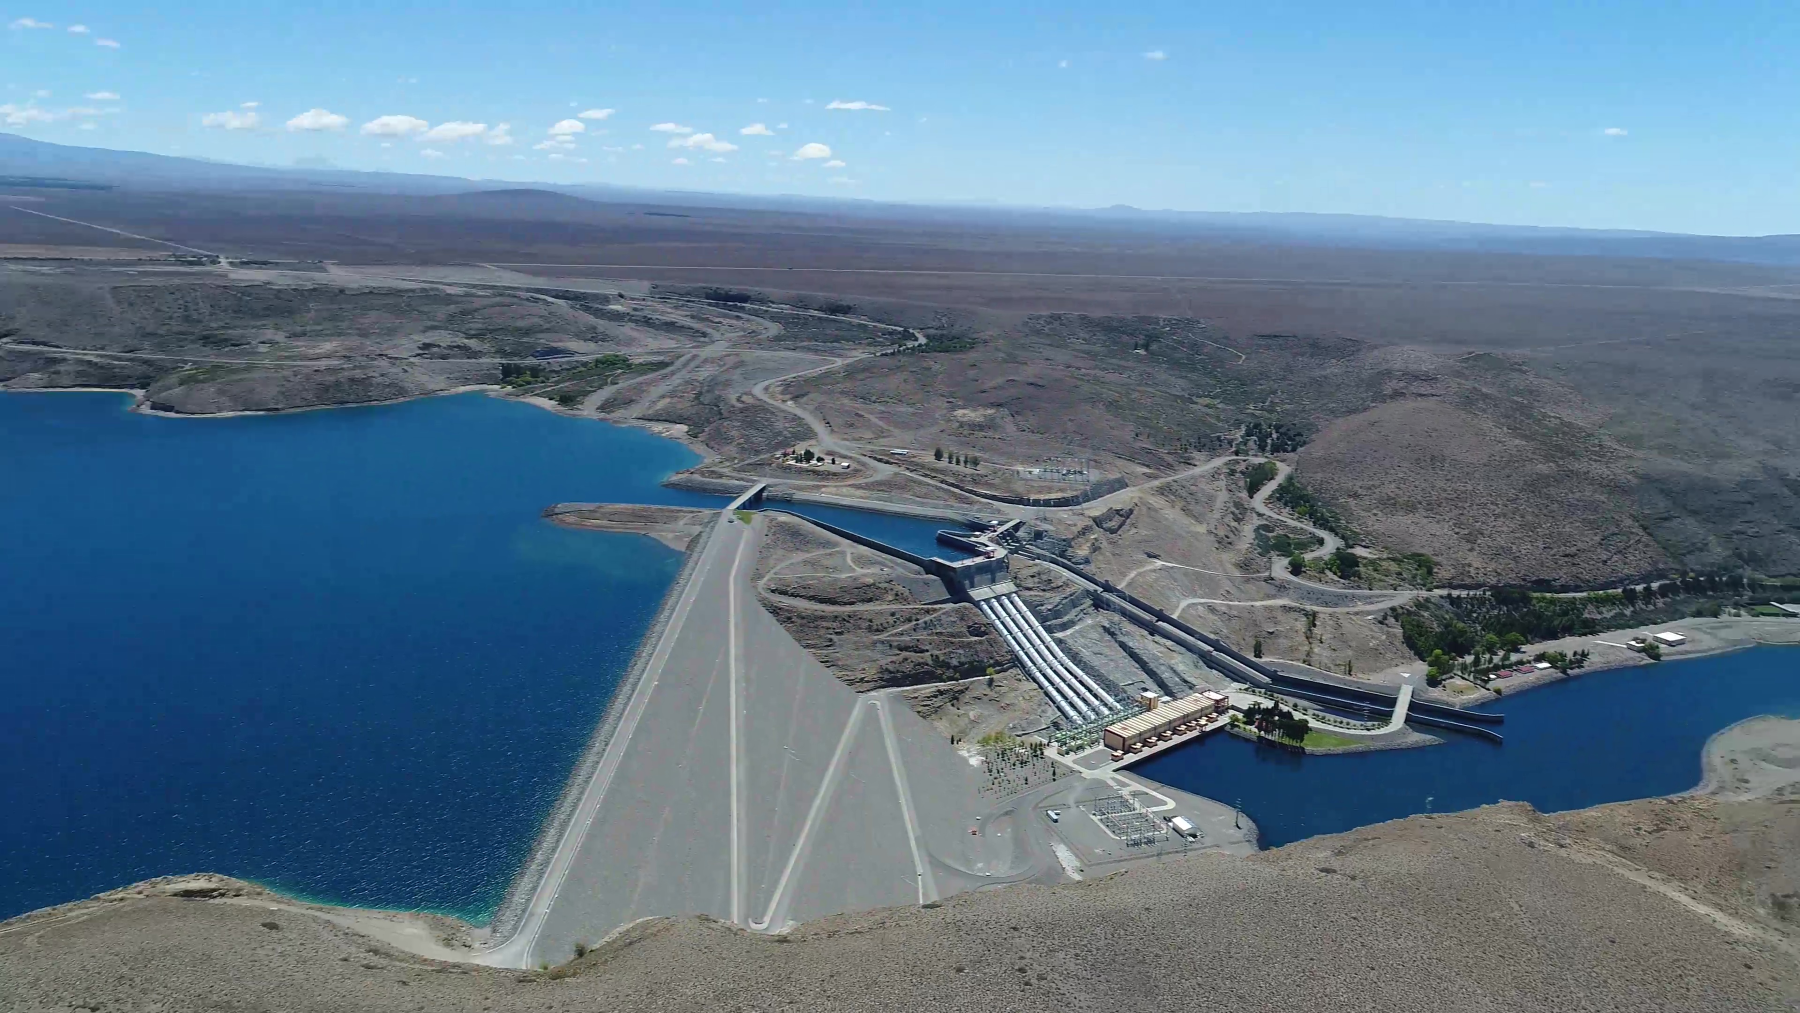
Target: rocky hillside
point(1657, 905)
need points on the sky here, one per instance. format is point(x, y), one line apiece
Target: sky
point(1676, 116)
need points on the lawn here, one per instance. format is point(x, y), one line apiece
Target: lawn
point(1316, 739)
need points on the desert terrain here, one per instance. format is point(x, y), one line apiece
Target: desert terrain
point(1575, 420)
point(1460, 419)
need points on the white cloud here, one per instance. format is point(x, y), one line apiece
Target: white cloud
point(596, 114)
point(672, 128)
point(681, 161)
point(41, 93)
point(1156, 55)
point(842, 181)
point(90, 125)
point(430, 153)
point(836, 163)
point(781, 126)
point(1615, 131)
point(563, 128)
point(716, 158)
point(757, 130)
point(637, 147)
point(103, 96)
point(318, 119)
point(31, 23)
point(811, 150)
point(501, 135)
point(1062, 65)
point(858, 105)
point(394, 125)
point(231, 119)
point(108, 43)
point(453, 131)
point(702, 142)
point(19, 116)
point(241, 105)
point(554, 144)
point(79, 29)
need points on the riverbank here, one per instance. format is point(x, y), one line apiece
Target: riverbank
point(1757, 758)
point(1706, 637)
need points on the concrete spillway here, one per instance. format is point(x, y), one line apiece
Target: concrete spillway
point(1076, 694)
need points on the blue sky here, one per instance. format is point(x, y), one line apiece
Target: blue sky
point(1678, 116)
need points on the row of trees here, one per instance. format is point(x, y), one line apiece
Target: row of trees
point(1276, 720)
point(969, 461)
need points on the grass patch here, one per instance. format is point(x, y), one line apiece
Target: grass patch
point(1316, 739)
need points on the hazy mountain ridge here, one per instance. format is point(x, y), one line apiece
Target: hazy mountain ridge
point(29, 157)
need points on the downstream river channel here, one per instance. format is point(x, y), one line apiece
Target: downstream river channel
point(1600, 737)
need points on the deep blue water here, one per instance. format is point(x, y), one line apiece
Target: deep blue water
point(336, 652)
point(1601, 737)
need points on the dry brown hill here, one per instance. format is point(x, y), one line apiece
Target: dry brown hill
point(1657, 905)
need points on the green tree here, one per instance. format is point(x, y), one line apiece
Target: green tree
point(1259, 476)
point(1296, 564)
point(1256, 648)
point(938, 453)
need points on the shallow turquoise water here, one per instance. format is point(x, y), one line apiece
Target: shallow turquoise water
point(1600, 737)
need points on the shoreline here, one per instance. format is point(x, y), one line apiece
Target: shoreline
point(1708, 637)
point(1756, 758)
point(140, 400)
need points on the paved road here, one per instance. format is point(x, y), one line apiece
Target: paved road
point(746, 782)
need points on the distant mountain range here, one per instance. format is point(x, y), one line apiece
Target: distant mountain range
point(28, 163)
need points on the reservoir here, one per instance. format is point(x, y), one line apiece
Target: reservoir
point(336, 652)
point(1599, 737)
point(340, 653)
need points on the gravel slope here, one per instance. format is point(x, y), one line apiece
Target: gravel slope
point(1658, 905)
